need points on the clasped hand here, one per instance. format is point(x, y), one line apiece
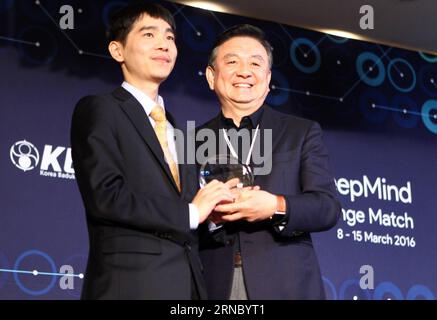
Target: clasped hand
point(250, 204)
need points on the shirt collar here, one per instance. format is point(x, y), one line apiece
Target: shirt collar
point(146, 102)
point(250, 121)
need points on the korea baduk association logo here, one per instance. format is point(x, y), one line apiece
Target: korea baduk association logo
point(55, 161)
point(24, 155)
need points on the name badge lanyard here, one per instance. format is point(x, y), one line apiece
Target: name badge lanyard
point(232, 150)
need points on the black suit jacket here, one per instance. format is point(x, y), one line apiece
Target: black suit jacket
point(278, 265)
point(140, 243)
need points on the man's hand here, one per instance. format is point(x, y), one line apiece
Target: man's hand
point(251, 205)
point(212, 194)
point(216, 216)
point(239, 191)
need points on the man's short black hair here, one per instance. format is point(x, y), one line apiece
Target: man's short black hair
point(241, 30)
point(120, 24)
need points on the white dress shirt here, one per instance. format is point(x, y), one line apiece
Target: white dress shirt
point(148, 104)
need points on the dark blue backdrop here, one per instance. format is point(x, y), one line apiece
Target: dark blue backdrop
point(376, 104)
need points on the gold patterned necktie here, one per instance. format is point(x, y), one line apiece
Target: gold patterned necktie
point(158, 115)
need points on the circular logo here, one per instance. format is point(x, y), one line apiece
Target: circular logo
point(429, 115)
point(24, 155)
point(19, 281)
point(308, 53)
point(365, 64)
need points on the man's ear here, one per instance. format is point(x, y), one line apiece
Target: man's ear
point(269, 78)
point(116, 50)
point(210, 74)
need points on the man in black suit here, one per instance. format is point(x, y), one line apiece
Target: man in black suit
point(142, 208)
point(260, 246)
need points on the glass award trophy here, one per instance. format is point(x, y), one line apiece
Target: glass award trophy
point(224, 167)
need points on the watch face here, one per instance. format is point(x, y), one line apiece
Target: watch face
point(278, 218)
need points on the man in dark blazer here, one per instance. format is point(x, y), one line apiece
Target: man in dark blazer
point(260, 246)
point(141, 207)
